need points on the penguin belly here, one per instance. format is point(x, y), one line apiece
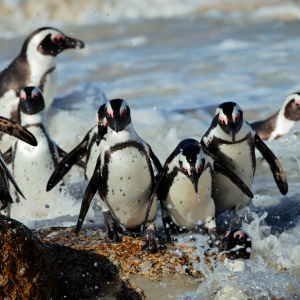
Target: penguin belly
point(185, 207)
point(33, 167)
point(240, 159)
point(129, 186)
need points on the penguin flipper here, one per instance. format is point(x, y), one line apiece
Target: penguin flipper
point(233, 178)
point(13, 128)
point(67, 162)
point(63, 154)
point(155, 160)
point(274, 164)
point(10, 176)
point(162, 174)
point(88, 195)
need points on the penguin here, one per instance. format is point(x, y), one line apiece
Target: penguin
point(33, 166)
point(282, 122)
point(233, 141)
point(124, 178)
point(14, 129)
point(34, 66)
point(90, 147)
point(238, 248)
point(184, 189)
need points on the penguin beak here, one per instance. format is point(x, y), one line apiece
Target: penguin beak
point(70, 43)
point(194, 177)
point(102, 130)
point(232, 134)
point(117, 123)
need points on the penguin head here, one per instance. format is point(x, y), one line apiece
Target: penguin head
point(230, 118)
point(49, 41)
point(117, 113)
point(31, 100)
point(291, 107)
point(101, 122)
point(237, 244)
point(191, 163)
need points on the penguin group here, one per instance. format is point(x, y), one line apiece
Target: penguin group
point(198, 181)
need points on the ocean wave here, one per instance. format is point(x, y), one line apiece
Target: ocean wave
point(18, 16)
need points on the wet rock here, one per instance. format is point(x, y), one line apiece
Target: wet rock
point(27, 266)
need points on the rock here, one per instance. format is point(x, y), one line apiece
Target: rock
point(33, 270)
point(27, 266)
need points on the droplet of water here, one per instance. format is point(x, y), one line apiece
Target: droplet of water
point(167, 225)
point(198, 199)
point(187, 213)
point(170, 206)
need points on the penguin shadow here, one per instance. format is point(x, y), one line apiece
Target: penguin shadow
point(83, 274)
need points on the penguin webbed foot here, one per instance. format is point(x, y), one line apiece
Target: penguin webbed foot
point(151, 241)
point(171, 229)
point(112, 227)
point(214, 238)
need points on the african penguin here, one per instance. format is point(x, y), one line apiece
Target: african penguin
point(184, 188)
point(282, 122)
point(123, 177)
point(33, 166)
point(91, 147)
point(232, 140)
point(18, 131)
point(237, 246)
point(35, 66)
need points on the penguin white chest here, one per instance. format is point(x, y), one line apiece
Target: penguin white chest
point(129, 185)
point(33, 167)
point(186, 208)
point(240, 159)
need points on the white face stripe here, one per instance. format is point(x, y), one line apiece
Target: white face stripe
point(36, 90)
point(23, 94)
point(124, 105)
point(288, 99)
point(224, 118)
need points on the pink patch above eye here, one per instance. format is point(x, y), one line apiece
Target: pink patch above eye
point(58, 37)
point(123, 112)
point(104, 123)
point(110, 113)
point(23, 96)
point(235, 117)
point(227, 234)
point(96, 120)
point(223, 120)
point(34, 95)
point(239, 234)
point(297, 103)
point(187, 169)
point(198, 168)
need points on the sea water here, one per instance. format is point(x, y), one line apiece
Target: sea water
point(174, 62)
